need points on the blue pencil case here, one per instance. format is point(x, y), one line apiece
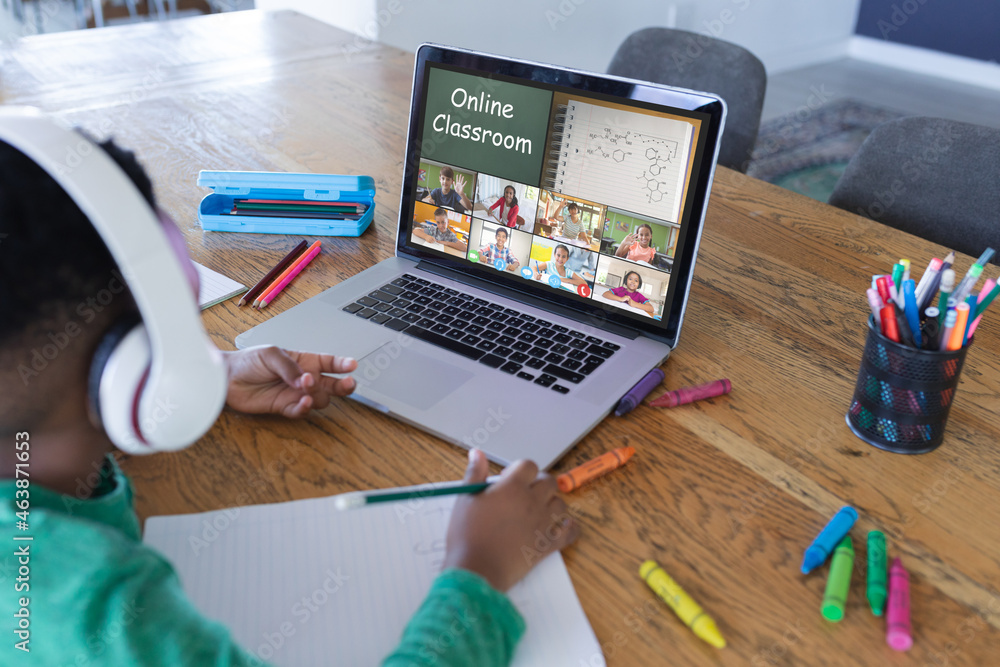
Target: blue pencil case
point(227, 186)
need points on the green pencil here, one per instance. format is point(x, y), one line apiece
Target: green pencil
point(357, 499)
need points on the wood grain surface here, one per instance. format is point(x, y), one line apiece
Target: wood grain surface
point(725, 493)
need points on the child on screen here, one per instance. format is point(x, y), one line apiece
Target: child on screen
point(636, 246)
point(629, 293)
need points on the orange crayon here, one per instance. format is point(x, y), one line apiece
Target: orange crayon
point(603, 464)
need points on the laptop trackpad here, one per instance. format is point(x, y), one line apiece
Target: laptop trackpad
point(409, 376)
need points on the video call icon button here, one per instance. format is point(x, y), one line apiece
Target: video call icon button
point(499, 265)
point(583, 290)
point(554, 281)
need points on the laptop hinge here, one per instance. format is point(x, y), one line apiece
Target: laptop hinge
point(556, 309)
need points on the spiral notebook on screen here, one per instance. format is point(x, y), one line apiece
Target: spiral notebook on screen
point(632, 161)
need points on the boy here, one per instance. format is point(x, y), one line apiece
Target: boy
point(97, 595)
point(439, 232)
point(451, 193)
point(498, 250)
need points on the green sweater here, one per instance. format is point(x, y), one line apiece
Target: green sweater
point(93, 594)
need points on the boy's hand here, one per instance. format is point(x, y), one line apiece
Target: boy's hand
point(501, 533)
point(267, 379)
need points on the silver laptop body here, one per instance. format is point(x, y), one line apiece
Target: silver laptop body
point(418, 370)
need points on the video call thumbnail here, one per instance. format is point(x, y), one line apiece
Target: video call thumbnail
point(446, 186)
point(635, 288)
point(501, 247)
point(571, 220)
point(562, 266)
point(505, 202)
point(437, 228)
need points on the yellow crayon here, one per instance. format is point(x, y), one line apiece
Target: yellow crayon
point(686, 609)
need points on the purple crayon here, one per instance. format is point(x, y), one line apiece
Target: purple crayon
point(684, 395)
point(828, 538)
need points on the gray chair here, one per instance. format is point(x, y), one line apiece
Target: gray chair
point(938, 179)
point(692, 60)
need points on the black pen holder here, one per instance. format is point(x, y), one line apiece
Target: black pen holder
point(903, 394)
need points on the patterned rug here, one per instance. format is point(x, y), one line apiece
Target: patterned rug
point(807, 151)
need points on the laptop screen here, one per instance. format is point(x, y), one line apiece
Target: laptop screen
point(583, 189)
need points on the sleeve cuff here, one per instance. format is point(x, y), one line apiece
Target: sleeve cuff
point(485, 598)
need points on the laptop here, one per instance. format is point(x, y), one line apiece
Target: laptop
point(549, 223)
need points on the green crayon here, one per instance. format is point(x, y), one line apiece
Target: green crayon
point(877, 592)
point(837, 585)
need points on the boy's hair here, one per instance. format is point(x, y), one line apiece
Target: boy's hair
point(625, 282)
point(440, 211)
point(51, 257)
point(447, 172)
point(499, 230)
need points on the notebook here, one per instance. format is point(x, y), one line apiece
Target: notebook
point(302, 583)
point(632, 161)
point(214, 287)
point(519, 340)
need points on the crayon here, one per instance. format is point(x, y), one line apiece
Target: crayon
point(686, 608)
point(876, 591)
point(839, 581)
point(685, 395)
point(832, 533)
point(898, 631)
point(602, 465)
point(642, 388)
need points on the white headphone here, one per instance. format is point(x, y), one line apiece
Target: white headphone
point(158, 384)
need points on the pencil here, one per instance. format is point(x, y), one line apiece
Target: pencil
point(278, 268)
point(283, 274)
point(347, 501)
point(296, 269)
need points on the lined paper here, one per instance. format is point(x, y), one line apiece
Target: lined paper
point(302, 583)
point(214, 287)
point(631, 161)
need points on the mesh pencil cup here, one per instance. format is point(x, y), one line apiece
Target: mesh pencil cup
point(903, 394)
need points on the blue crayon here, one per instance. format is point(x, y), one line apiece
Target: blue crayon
point(828, 538)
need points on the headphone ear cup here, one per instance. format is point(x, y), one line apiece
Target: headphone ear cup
point(117, 376)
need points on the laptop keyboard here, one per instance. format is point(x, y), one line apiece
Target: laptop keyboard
point(533, 349)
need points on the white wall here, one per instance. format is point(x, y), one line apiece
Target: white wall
point(784, 34)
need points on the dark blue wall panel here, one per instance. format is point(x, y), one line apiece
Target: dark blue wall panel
point(968, 28)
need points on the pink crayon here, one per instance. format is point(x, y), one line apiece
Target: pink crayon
point(672, 399)
point(898, 632)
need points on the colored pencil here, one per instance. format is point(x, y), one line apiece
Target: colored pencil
point(281, 276)
point(269, 278)
point(291, 276)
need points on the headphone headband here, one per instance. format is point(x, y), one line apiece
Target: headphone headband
point(186, 370)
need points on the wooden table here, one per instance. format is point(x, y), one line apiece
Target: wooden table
point(725, 493)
